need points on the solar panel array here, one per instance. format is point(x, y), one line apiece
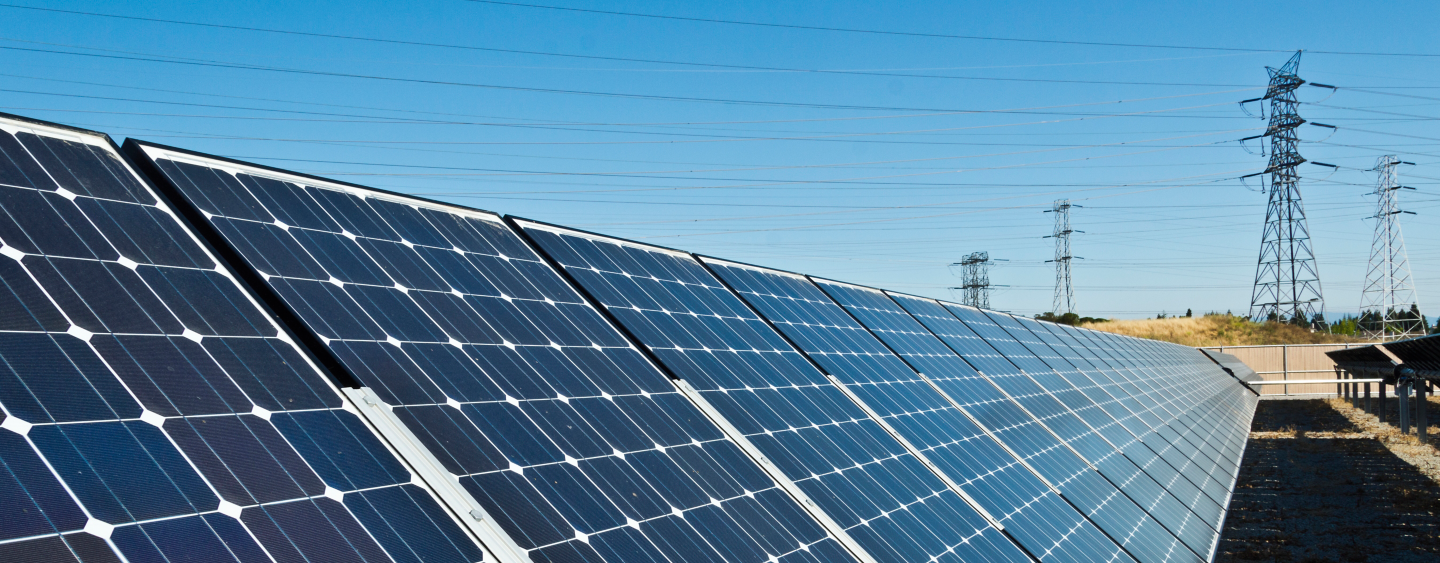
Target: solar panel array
point(559, 428)
point(152, 410)
point(204, 359)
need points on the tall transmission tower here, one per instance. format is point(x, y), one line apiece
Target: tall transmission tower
point(1064, 290)
point(1389, 308)
point(1287, 280)
point(975, 279)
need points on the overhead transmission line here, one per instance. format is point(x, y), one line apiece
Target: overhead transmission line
point(579, 56)
point(600, 123)
point(210, 63)
point(931, 35)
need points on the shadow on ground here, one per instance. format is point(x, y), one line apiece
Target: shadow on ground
point(1338, 498)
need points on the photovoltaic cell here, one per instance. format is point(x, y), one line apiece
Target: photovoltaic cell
point(817, 437)
point(562, 431)
point(1046, 394)
point(939, 431)
point(151, 409)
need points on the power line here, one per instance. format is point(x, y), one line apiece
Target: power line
point(333, 74)
point(577, 56)
point(1025, 110)
point(934, 35)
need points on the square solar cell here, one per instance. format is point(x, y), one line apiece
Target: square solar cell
point(142, 389)
point(500, 377)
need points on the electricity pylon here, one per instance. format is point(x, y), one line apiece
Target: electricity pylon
point(1389, 309)
point(975, 279)
point(1064, 290)
point(1287, 279)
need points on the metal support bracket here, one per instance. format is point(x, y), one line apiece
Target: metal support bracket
point(429, 470)
point(774, 472)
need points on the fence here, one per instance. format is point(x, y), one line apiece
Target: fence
point(1290, 361)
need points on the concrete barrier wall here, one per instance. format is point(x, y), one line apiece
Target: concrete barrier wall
point(1290, 361)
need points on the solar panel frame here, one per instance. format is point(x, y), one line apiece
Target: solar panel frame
point(803, 380)
point(525, 427)
point(235, 448)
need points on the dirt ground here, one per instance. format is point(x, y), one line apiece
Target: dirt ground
point(1322, 481)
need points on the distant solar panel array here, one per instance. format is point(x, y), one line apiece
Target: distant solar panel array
point(208, 360)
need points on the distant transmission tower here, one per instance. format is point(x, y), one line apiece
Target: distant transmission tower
point(975, 279)
point(1064, 290)
point(1287, 280)
point(1388, 307)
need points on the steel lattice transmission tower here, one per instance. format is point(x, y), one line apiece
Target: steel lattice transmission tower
point(1064, 290)
point(1287, 280)
point(975, 279)
point(1389, 308)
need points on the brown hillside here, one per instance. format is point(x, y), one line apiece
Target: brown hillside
point(1218, 330)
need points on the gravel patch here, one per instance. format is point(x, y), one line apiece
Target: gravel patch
point(1321, 482)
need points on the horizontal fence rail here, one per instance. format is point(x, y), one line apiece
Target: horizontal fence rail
point(1289, 370)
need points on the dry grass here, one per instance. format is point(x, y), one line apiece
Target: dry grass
point(1218, 330)
point(1425, 457)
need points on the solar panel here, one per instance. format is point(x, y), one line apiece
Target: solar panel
point(810, 430)
point(1230, 418)
point(1103, 413)
point(1233, 365)
point(1046, 394)
point(933, 428)
point(1420, 354)
point(152, 411)
point(1234, 422)
point(469, 344)
point(1118, 397)
point(988, 394)
point(1216, 427)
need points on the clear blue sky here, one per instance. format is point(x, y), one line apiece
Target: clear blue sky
point(882, 174)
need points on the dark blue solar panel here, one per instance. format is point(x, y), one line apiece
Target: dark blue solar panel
point(1078, 389)
point(1172, 392)
point(943, 432)
point(151, 409)
point(1118, 396)
point(1049, 396)
point(1086, 489)
point(546, 415)
point(861, 477)
point(1189, 401)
